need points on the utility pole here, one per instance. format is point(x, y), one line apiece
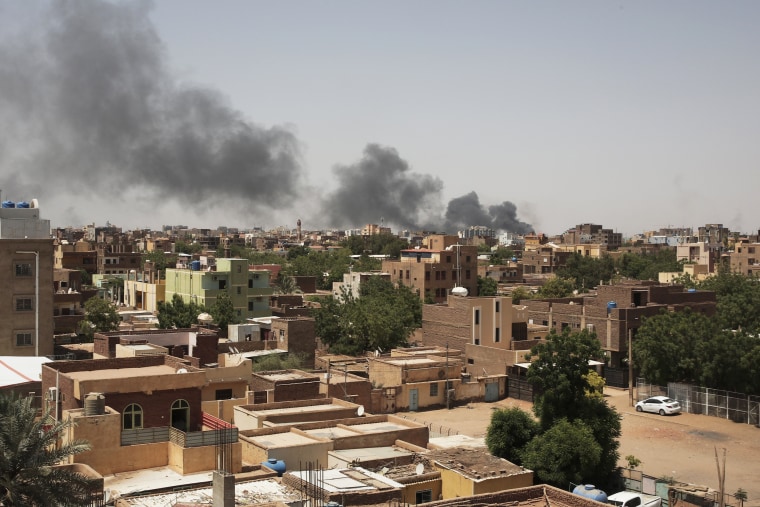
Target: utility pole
point(446, 380)
point(630, 365)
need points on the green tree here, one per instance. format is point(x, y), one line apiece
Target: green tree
point(520, 293)
point(86, 277)
point(159, 259)
point(100, 317)
point(509, 432)
point(274, 362)
point(487, 286)
point(560, 372)
point(285, 284)
point(665, 346)
point(738, 297)
point(565, 453)
point(560, 375)
point(223, 312)
point(29, 453)
point(557, 287)
point(178, 314)
point(382, 317)
point(187, 248)
point(502, 255)
point(648, 266)
point(585, 272)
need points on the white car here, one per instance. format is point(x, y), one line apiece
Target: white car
point(659, 405)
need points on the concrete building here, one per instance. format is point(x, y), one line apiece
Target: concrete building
point(436, 268)
point(466, 472)
point(593, 233)
point(493, 333)
point(413, 383)
point(248, 290)
point(352, 282)
point(745, 259)
point(284, 385)
point(615, 313)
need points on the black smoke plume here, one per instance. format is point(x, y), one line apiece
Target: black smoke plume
point(88, 103)
point(381, 186)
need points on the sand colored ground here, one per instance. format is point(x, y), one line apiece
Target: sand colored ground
point(680, 446)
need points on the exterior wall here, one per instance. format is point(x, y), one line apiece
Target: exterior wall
point(144, 295)
point(193, 460)
point(502, 483)
point(19, 324)
point(314, 453)
point(297, 336)
point(248, 290)
point(409, 493)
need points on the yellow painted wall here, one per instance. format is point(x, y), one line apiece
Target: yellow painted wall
point(454, 485)
point(126, 459)
point(502, 483)
point(409, 493)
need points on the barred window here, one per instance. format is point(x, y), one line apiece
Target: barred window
point(23, 269)
point(24, 304)
point(24, 339)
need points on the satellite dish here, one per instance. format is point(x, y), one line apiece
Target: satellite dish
point(182, 370)
point(360, 410)
point(419, 469)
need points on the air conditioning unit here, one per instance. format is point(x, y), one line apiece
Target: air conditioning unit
point(52, 394)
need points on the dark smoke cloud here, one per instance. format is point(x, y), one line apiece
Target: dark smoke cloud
point(381, 186)
point(87, 101)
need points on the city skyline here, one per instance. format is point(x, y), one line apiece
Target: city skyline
point(534, 115)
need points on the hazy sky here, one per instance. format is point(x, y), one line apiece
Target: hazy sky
point(633, 115)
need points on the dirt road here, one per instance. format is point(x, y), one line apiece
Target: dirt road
point(681, 446)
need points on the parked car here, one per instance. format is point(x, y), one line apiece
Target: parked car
point(629, 499)
point(659, 405)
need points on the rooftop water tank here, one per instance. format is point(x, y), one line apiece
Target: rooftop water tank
point(9, 204)
point(195, 265)
point(459, 291)
point(611, 305)
point(22, 204)
point(275, 464)
point(94, 404)
point(692, 290)
point(590, 491)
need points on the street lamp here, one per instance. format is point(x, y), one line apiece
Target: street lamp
point(36, 297)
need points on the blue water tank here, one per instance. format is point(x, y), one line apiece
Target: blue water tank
point(610, 306)
point(275, 464)
point(22, 204)
point(9, 204)
point(514, 259)
point(195, 265)
point(692, 290)
point(590, 491)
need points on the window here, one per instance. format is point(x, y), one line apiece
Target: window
point(467, 274)
point(497, 306)
point(24, 304)
point(224, 394)
point(443, 275)
point(132, 417)
point(23, 269)
point(477, 317)
point(467, 259)
point(24, 339)
point(427, 276)
point(448, 259)
point(250, 306)
point(239, 268)
point(497, 335)
point(437, 275)
point(250, 283)
point(434, 389)
point(407, 274)
point(238, 290)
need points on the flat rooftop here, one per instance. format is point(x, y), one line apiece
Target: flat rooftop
point(117, 373)
point(409, 360)
point(378, 427)
point(284, 375)
point(331, 433)
point(298, 410)
point(371, 453)
point(288, 439)
point(246, 493)
point(150, 479)
point(349, 480)
point(455, 441)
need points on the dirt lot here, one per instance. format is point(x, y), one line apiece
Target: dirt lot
point(681, 446)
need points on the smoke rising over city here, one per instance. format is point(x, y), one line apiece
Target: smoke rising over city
point(89, 105)
point(89, 102)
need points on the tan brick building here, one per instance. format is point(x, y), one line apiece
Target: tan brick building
point(436, 268)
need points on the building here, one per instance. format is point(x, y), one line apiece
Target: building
point(593, 233)
point(248, 290)
point(352, 282)
point(493, 333)
point(26, 276)
point(436, 268)
point(615, 313)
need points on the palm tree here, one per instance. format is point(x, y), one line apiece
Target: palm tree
point(29, 455)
